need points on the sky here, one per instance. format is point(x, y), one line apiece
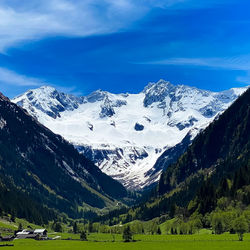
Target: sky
point(121, 45)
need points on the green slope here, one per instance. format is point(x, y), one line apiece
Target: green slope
point(39, 166)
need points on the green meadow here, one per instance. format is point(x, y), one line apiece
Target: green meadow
point(142, 242)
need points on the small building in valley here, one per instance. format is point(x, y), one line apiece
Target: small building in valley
point(41, 232)
point(32, 234)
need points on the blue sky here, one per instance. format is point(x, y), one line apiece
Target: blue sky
point(121, 45)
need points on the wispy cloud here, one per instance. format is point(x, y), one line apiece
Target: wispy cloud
point(8, 77)
point(12, 80)
point(35, 19)
point(244, 79)
point(231, 63)
point(239, 63)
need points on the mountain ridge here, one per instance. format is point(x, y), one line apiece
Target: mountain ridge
point(47, 168)
point(210, 177)
point(138, 127)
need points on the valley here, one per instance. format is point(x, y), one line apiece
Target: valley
point(149, 242)
point(124, 125)
point(202, 197)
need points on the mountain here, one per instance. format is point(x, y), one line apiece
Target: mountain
point(45, 168)
point(215, 165)
point(170, 156)
point(213, 173)
point(220, 149)
point(125, 134)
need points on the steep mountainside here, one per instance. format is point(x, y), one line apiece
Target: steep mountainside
point(124, 134)
point(47, 169)
point(215, 165)
point(221, 148)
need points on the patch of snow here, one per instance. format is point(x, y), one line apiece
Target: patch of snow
point(3, 123)
point(102, 124)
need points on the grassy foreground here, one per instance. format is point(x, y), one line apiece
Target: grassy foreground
point(144, 242)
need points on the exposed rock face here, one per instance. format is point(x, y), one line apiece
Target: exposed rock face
point(139, 127)
point(106, 109)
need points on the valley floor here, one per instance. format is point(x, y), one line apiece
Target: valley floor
point(145, 242)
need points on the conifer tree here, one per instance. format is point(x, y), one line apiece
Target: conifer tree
point(75, 228)
point(127, 234)
point(158, 230)
point(83, 236)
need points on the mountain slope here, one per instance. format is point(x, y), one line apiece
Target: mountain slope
point(47, 168)
point(171, 155)
point(215, 165)
point(138, 127)
point(220, 148)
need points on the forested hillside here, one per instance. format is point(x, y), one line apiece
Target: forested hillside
point(213, 173)
point(38, 167)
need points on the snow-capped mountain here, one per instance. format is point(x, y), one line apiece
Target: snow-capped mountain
point(42, 166)
point(124, 134)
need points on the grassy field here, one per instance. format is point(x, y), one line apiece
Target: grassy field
point(144, 242)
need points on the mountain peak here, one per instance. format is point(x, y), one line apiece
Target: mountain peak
point(47, 87)
point(157, 92)
point(41, 92)
point(161, 84)
point(46, 90)
point(98, 95)
point(48, 100)
point(105, 126)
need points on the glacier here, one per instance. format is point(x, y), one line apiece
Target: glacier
point(125, 134)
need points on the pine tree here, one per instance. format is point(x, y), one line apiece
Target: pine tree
point(83, 236)
point(127, 234)
point(158, 230)
point(75, 228)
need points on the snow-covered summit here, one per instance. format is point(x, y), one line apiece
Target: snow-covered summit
point(124, 134)
point(47, 100)
point(157, 92)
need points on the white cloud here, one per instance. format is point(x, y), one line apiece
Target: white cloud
point(63, 17)
point(244, 79)
point(8, 77)
point(231, 63)
point(35, 19)
point(11, 81)
point(239, 63)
